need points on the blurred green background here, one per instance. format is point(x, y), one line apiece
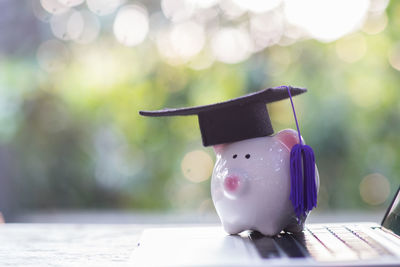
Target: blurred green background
point(75, 73)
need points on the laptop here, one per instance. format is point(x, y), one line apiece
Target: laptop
point(338, 244)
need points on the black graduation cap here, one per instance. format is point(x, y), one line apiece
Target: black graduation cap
point(234, 120)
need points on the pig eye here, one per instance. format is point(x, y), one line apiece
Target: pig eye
point(234, 156)
point(247, 156)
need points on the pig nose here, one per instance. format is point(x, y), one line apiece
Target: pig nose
point(231, 183)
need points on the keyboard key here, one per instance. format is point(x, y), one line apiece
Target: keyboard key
point(315, 249)
point(265, 245)
point(288, 245)
point(376, 247)
point(335, 245)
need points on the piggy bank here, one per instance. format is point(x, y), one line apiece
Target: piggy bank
point(252, 179)
point(250, 185)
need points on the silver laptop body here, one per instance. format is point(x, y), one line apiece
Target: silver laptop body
point(340, 244)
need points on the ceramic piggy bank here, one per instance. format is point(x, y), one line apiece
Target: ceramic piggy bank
point(250, 185)
point(261, 181)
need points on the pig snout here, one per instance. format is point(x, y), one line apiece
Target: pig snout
point(231, 183)
point(234, 185)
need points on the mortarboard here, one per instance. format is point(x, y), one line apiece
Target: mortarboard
point(234, 120)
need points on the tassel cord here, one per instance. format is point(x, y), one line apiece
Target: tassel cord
point(294, 113)
point(303, 192)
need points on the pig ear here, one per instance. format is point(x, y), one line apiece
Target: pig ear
point(289, 138)
point(219, 148)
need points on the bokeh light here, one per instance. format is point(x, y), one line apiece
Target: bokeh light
point(101, 72)
point(187, 39)
point(59, 24)
point(231, 10)
point(375, 24)
point(378, 6)
point(166, 50)
point(177, 10)
point(257, 6)
point(394, 56)
point(81, 26)
point(103, 7)
point(374, 189)
point(197, 166)
point(206, 3)
point(52, 56)
point(54, 6)
point(231, 45)
point(131, 25)
point(351, 48)
point(84, 26)
point(181, 43)
point(74, 25)
point(266, 29)
point(71, 3)
point(39, 11)
point(326, 20)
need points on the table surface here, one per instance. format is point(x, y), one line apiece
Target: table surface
point(84, 243)
point(67, 244)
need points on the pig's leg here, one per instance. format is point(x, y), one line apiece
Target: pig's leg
point(269, 230)
point(232, 228)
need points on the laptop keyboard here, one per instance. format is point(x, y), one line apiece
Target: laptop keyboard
point(340, 243)
point(323, 243)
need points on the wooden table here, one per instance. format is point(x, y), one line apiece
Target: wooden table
point(83, 243)
point(67, 244)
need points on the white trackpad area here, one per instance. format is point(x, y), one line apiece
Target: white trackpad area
point(190, 246)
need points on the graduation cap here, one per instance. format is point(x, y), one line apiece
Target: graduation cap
point(247, 117)
point(234, 120)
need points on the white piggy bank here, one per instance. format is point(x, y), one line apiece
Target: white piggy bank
point(250, 185)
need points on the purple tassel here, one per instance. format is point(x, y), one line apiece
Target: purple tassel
point(303, 193)
point(296, 180)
